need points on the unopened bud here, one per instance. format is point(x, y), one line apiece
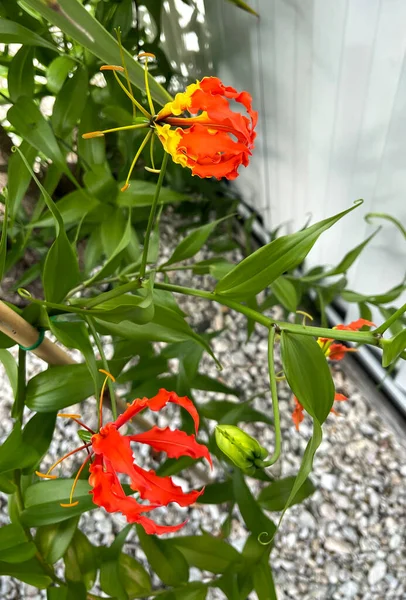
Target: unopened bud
point(244, 450)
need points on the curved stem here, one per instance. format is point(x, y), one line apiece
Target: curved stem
point(359, 337)
point(274, 397)
point(396, 315)
point(152, 214)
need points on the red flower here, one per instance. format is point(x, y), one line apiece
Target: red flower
point(110, 453)
point(216, 141)
point(338, 351)
point(298, 413)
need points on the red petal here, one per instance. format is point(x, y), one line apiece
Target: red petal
point(163, 397)
point(153, 528)
point(298, 413)
point(162, 490)
point(340, 397)
point(355, 325)
point(174, 443)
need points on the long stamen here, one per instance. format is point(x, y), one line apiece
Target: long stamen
point(76, 419)
point(93, 134)
point(147, 55)
point(47, 474)
point(305, 315)
point(136, 157)
point(71, 503)
point(108, 375)
point(131, 97)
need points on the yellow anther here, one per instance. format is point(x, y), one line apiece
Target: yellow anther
point(125, 187)
point(146, 55)
point(112, 68)
point(70, 504)
point(305, 314)
point(107, 373)
point(69, 416)
point(152, 170)
point(92, 134)
point(45, 475)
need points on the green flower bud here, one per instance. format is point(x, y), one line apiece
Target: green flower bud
point(244, 450)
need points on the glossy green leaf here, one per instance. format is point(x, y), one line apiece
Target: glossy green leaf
point(42, 502)
point(308, 374)
point(7, 485)
point(256, 521)
point(285, 292)
point(264, 266)
point(21, 74)
point(30, 123)
point(165, 559)
point(10, 366)
point(201, 381)
point(393, 348)
point(124, 577)
point(191, 591)
point(275, 496)
point(14, 545)
point(61, 258)
point(53, 540)
point(57, 72)
point(137, 308)
point(217, 493)
point(93, 151)
point(263, 581)
point(115, 257)
point(70, 103)
point(193, 242)
point(141, 193)
point(244, 413)
point(4, 239)
point(389, 296)
point(81, 560)
point(19, 177)
point(72, 208)
point(14, 33)
point(206, 552)
point(29, 571)
point(217, 267)
point(78, 23)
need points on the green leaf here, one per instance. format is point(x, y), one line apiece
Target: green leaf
point(30, 123)
point(42, 502)
point(72, 209)
point(14, 33)
point(191, 591)
point(29, 571)
point(217, 493)
point(264, 266)
point(256, 521)
point(193, 242)
point(166, 560)
point(393, 348)
point(61, 258)
point(389, 296)
point(244, 413)
point(285, 292)
point(53, 540)
point(111, 231)
point(93, 150)
point(10, 366)
point(217, 267)
point(20, 77)
point(78, 23)
point(80, 560)
point(124, 578)
point(101, 184)
point(206, 552)
point(19, 177)
point(141, 193)
point(263, 581)
point(396, 222)
point(70, 103)
point(275, 496)
point(308, 374)
point(14, 545)
point(57, 72)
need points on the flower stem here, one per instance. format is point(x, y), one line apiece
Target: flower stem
point(359, 337)
point(382, 328)
point(152, 214)
point(274, 397)
point(99, 345)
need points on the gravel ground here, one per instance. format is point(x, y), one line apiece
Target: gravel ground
point(346, 541)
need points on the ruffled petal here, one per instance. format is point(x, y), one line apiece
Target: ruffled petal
point(338, 351)
point(356, 325)
point(174, 443)
point(162, 490)
point(298, 413)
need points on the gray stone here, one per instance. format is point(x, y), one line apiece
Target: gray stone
point(337, 545)
point(328, 482)
point(349, 589)
point(395, 541)
point(377, 572)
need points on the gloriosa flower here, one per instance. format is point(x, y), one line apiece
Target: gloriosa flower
point(211, 139)
point(110, 454)
point(333, 351)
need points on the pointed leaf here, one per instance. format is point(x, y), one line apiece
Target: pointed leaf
point(14, 33)
point(167, 562)
point(21, 74)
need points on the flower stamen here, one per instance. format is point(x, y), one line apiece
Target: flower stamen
point(147, 55)
point(108, 376)
point(136, 157)
point(71, 503)
point(47, 474)
point(76, 419)
point(131, 97)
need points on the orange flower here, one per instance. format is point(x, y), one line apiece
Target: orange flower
point(215, 141)
point(338, 351)
point(110, 453)
point(198, 128)
point(298, 413)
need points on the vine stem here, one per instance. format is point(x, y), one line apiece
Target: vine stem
point(99, 345)
point(274, 397)
point(152, 214)
point(360, 337)
point(382, 328)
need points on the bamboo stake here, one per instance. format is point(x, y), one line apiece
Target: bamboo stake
point(24, 334)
